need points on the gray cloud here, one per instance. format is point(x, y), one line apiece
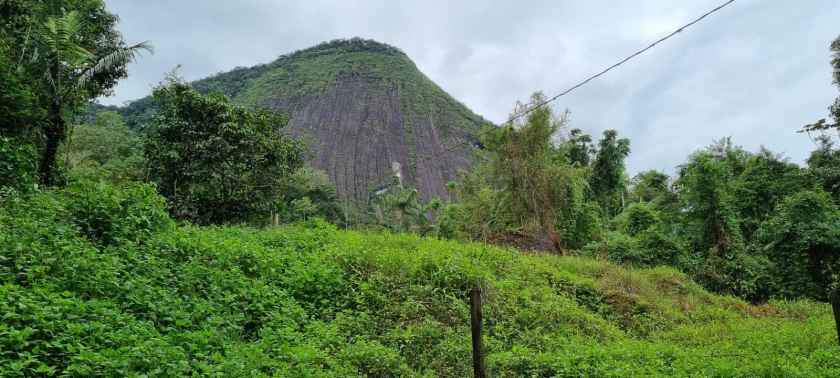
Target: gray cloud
point(757, 70)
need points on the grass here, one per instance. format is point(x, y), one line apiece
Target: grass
point(312, 301)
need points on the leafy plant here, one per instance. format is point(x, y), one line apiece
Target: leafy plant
point(70, 72)
point(216, 162)
point(311, 300)
point(16, 163)
point(111, 215)
point(105, 149)
point(802, 240)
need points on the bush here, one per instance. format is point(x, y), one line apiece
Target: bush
point(308, 300)
point(649, 248)
point(110, 214)
point(216, 162)
point(739, 274)
point(802, 240)
point(451, 222)
point(640, 218)
point(659, 248)
point(617, 247)
point(17, 163)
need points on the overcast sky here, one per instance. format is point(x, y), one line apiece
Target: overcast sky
point(757, 70)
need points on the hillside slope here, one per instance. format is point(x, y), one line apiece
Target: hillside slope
point(361, 106)
point(312, 301)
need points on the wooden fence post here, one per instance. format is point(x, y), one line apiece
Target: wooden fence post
point(834, 297)
point(477, 335)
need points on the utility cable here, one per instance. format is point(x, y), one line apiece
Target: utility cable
point(510, 121)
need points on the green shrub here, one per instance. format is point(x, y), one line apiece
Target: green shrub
point(659, 248)
point(451, 222)
point(17, 165)
point(802, 240)
point(640, 218)
point(308, 300)
point(649, 247)
point(739, 274)
point(616, 246)
point(111, 214)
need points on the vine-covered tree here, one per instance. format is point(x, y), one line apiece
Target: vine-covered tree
point(607, 171)
point(706, 191)
point(578, 149)
point(802, 240)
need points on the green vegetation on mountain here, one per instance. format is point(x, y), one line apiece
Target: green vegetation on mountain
point(314, 70)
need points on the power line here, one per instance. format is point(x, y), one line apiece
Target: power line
point(574, 87)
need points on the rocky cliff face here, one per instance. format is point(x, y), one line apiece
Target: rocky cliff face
point(357, 129)
point(363, 106)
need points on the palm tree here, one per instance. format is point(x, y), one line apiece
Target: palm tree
point(401, 200)
point(452, 187)
point(418, 214)
point(68, 73)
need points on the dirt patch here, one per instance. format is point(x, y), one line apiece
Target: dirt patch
point(625, 303)
point(527, 241)
point(760, 310)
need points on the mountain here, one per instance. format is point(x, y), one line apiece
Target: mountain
point(362, 106)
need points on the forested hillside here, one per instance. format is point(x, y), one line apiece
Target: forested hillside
point(185, 235)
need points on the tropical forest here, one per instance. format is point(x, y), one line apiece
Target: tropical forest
point(336, 213)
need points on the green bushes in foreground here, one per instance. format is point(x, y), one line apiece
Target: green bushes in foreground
point(312, 301)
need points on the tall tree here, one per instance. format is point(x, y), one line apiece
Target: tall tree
point(823, 127)
point(521, 160)
point(527, 183)
point(216, 162)
point(766, 180)
point(76, 55)
point(834, 109)
point(608, 170)
point(578, 148)
point(19, 107)
point(706, 190)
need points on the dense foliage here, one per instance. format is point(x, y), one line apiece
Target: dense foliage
point(717, 271)
point(87, 292)
point(216, 162)
point(727, 218)
point(105, 148)
point(66, 53)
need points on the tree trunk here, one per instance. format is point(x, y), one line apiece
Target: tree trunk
point(55, 133)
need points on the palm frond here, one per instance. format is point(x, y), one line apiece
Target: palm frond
point(58, 35)
point(120, 57)
point(145, 45)
point(69, 27)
